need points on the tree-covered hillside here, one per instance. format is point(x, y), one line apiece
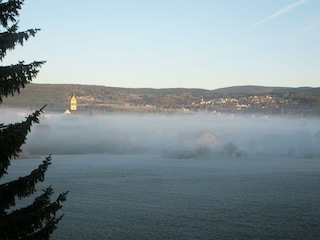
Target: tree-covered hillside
point(246, 99)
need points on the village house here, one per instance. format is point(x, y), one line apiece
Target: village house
point(198, 139)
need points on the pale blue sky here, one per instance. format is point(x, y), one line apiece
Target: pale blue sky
point(174, 43)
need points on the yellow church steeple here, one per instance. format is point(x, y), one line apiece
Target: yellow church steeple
point(73, 103)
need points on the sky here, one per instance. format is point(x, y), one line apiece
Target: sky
point(206, 44)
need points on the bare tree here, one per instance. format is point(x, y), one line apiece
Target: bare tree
point(230, 149)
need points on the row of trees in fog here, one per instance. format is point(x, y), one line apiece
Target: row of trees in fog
point(229, 150)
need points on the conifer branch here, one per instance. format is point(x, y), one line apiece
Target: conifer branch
point(36, 221)
point(10, 38)
point(9, 11)
point(15, 77)
point(12, 137)
point(22, 187)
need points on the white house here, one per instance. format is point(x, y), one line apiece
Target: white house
point(203, 138)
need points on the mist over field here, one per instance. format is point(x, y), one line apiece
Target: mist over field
point(60, 133)
point(124, 183)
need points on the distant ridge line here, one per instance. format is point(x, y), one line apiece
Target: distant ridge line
point(263, 89)
point(231, 89)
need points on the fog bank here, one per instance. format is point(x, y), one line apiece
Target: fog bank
point(60, 133)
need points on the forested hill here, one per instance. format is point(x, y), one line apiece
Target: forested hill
point(247, 99)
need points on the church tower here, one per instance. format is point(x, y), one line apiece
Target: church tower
point(73, 103)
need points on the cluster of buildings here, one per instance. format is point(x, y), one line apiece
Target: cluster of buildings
point(245, 102)
point(281, 103)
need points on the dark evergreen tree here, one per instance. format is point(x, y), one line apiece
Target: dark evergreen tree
point(39, 219)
